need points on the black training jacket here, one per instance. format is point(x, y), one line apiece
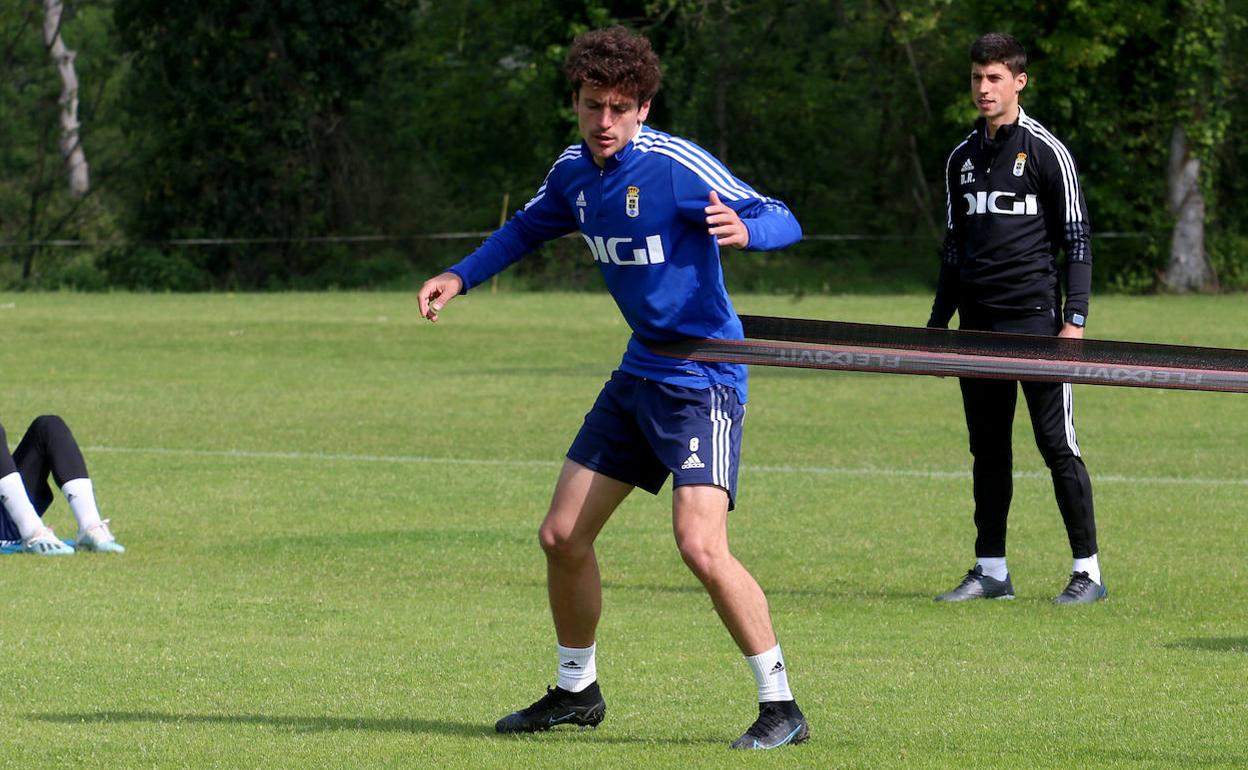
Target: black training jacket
point(1012, 202)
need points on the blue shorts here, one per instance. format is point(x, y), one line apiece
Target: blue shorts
point(640, 430)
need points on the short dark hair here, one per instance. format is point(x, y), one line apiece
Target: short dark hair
point(614, 58)
point(1000, 47)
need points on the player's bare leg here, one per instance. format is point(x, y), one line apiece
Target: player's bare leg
point(700, 523)
point(582, 503)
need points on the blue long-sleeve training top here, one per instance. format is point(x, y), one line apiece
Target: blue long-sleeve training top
point(643, 219)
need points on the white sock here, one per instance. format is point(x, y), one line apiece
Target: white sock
point(771, 675)
point(578, 667)
point(993, 566)
point(1090, 566)
point(15, 500)
point(80, 494)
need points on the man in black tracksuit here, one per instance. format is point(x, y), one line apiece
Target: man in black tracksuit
point(1013, 201)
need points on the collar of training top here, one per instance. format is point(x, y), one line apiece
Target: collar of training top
point(1003, 132)
point(620, 156)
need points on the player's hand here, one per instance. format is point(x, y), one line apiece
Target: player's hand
point(1071, 331)
point(436, 292)
point(723, 223)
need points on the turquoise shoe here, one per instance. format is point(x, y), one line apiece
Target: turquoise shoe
point(44, 542)
point(99, 538)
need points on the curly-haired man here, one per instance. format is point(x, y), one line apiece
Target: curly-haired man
point(654, 211)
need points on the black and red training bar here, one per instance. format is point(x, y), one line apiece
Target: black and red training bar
point(845, 346)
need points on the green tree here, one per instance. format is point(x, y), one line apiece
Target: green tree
point(36, 205)
point(277, 123)
point(1114, 80)
point(1229, 239)
point(816, 103)
point(1201, 67)
point(237, 114)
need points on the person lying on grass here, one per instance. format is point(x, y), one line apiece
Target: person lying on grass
point(48, 449)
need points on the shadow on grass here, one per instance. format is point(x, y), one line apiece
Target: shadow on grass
point(1212, 644)
point(310, 724)
point(831, 593)
point(315, 724)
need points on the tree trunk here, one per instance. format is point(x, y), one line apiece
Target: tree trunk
point(1189, 268)
point(71, 146)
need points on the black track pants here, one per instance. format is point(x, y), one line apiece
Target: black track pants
point(48, 449)
point(989, 407)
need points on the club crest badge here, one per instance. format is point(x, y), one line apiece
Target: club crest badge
point(1020, 162)
point(632, 201)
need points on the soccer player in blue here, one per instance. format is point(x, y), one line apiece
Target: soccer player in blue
point(654, 211)
point(48, 449)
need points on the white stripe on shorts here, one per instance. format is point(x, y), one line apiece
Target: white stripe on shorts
point(721, 439)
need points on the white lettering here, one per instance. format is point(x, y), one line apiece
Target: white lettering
point(1141, 376)
point(608, 250)
point(993, 197)
point(655, 244)
point(593, 250)
point(613, 244)
point(839, 359)
point(1001, 202)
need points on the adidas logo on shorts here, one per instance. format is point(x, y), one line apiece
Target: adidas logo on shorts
point(692, 462)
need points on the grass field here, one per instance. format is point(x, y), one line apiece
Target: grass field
point(330, 508)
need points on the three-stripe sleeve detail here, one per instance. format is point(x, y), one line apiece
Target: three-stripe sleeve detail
point(700, 162)
point(1070, 179)
point(571, 153)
